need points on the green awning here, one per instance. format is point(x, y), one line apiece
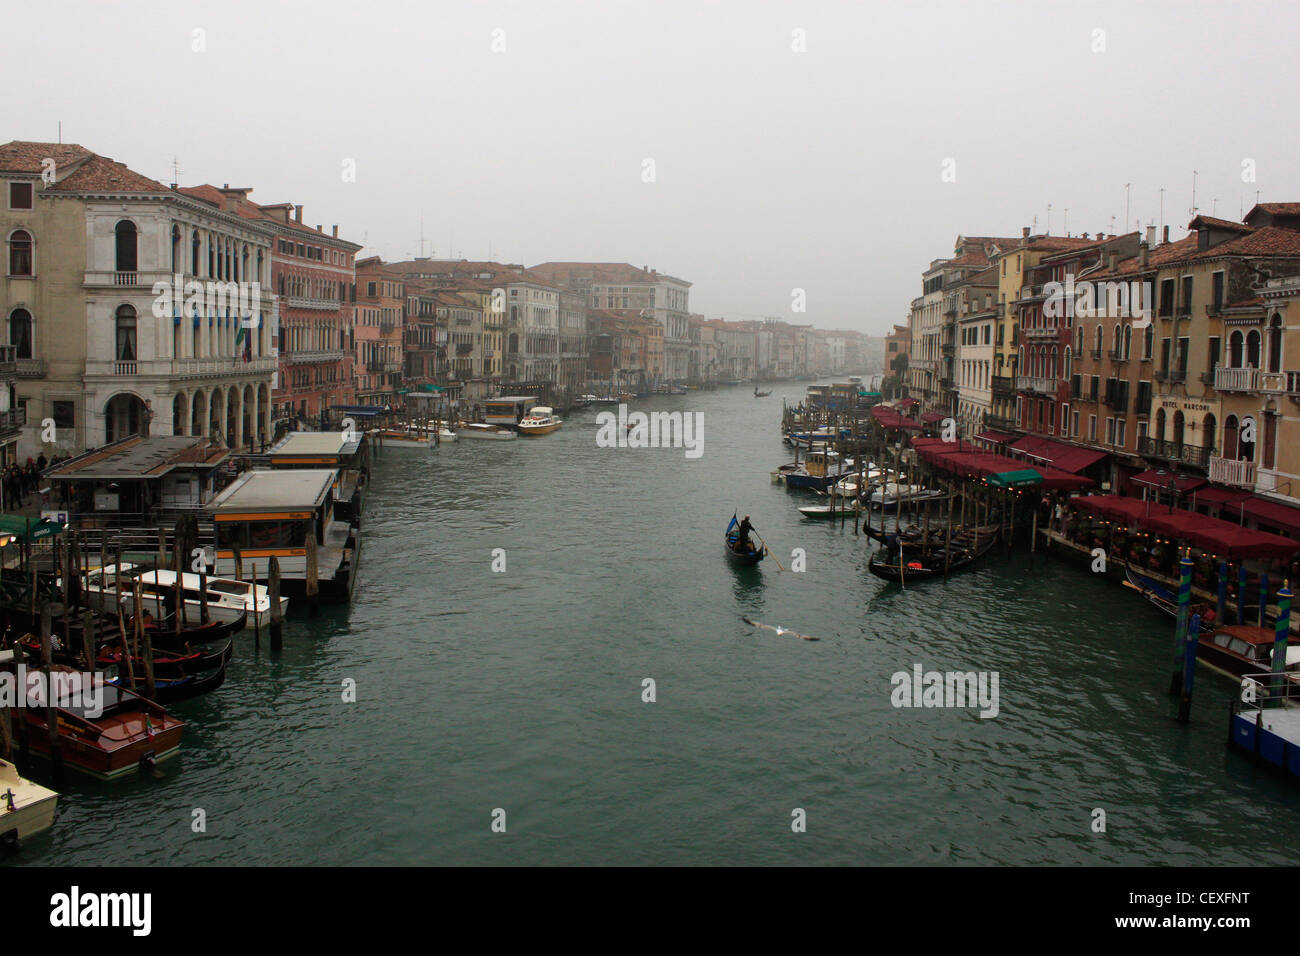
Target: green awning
point(1015, 479)
point(30, 529)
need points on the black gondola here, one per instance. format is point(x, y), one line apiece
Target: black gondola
point(731, 540)
point(932, 563)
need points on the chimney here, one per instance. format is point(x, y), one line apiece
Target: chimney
point(297, 214)
point(1100, 236)
point(1110, 262)
point(1143, 247)
point(1024, 232)
point(1085, 235)
point(1166, 233)
point(336, 232)
point(225, 185)
point(1151, 235)
point(318, 228)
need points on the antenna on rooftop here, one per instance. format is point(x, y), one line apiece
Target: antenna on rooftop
point(1193, 209)
point(176, 170)
point(1127, 186)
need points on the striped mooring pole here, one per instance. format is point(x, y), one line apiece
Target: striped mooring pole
point(1281, 636)
point(1189, 668)
point(1180, 627)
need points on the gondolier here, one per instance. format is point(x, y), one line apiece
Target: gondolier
point(742, 535)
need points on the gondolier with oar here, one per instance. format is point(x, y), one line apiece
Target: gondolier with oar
point(742, 536)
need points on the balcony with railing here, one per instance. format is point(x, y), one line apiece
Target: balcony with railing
point(1167, 450)
point(312, 356)
point(12, 420)
point(112, 278)
point(1236, 379)
point(1004, 386)
point(1036, 383)
point(1040, 333)
point(308, 302)
point(1229, 471)
point(8, 360)
point(1003, 423)
point(30, 368)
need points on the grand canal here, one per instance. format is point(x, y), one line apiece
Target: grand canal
point(522, 690)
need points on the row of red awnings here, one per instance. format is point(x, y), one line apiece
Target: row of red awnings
point(1231, 501)
point(889, 418)
point(1057, 454)
point(1224, 539)
point(965, 459)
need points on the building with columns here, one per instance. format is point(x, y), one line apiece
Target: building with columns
point(123, 299)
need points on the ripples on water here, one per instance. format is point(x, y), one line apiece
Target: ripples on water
point(522, 691)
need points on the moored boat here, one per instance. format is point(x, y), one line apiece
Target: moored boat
point(902, 567)
point(128, 733)
point(229, 599)
point(402, 439)
point(540, 420)
point(1241, 649)
point(26, 808)
point(482, 430)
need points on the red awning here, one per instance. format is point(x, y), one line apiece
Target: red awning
point(1214, 495)
point(1165, 481)
point(1270, 512)
point(931, 417)
point(1223, 539)
point(1062, 455)
point(962, 459)
point(997, 438)
point(1112, 506)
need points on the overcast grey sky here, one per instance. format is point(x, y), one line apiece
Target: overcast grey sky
point(774, 169)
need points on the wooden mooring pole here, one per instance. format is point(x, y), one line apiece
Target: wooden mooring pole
point(273, 592)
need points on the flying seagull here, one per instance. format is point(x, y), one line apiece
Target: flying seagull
point(780, 631)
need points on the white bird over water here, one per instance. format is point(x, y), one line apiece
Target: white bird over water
point(780, 631)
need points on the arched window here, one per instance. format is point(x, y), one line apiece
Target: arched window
point(1178, 429)
point(243, 271)
point(1148, 341)
point(176, 248)
point(1128, 342)
point(1078, 337)
point(126, 350)
point(1052, 372)
point(194, 253)
point(1252, 349)
point(1160, 424)
point(1275, 344)
point(1246, 449)
point(1236, 344)
point(20, 254)
point(1115, 346)
point(1097, 344)
point(1230, 446)
point(1069, 363)
point(20, 333)
point(1209, 426)
point(125, 246)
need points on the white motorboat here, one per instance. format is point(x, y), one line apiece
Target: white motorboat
point(227, 597)
point(482, 430)
point(540, 420)
point(26, 808)
point(890, 495)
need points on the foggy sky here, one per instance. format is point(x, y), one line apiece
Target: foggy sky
point(775, 170)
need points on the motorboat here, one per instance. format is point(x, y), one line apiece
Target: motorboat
point(26, 808)
point(482, 430)
point(228, 599)
point(540, 420)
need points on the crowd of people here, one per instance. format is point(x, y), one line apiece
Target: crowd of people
point(23, 481)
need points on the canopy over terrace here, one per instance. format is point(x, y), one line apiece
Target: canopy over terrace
point(965, 459)
point(1222, 538)
point(888, 418)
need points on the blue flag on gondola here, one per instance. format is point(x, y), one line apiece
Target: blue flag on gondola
point(731, 527)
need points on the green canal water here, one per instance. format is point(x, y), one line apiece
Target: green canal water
point(522, 690)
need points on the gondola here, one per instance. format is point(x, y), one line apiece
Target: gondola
point(931, 564)
point(1160, 596)
point(167, 664)
point(163, 635)
point(758, 394)
point(170, 690)
point(730, 541)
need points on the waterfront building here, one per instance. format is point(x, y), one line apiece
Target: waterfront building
point(1013, 262)
point(898, 344)
point(92, 247)
point(379, 322)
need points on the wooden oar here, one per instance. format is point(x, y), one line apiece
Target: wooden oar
point(768, 550)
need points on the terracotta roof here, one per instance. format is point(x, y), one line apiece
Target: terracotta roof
point(1161, 255)
point(22, 156)
point(1277, 208)
point(1265, 241)
point(100, 174)
point(1219, 224)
